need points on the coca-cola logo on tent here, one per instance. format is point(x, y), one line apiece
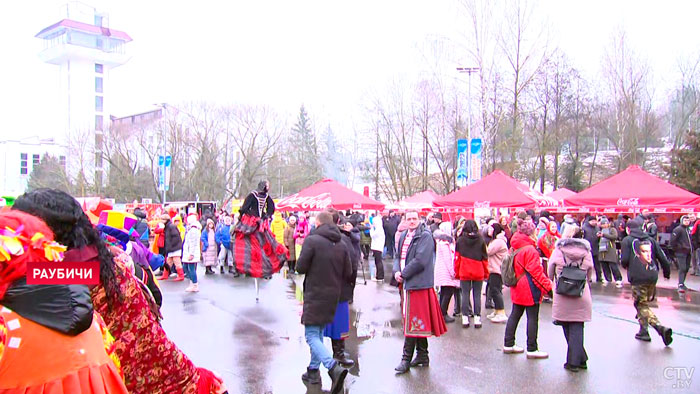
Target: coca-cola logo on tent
point(628, 202)
point(482, 204)
point(303, 203)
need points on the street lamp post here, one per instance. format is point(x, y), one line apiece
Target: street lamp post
point(469, 71)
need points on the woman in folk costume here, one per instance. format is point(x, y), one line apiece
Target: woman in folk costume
point(414, 271)
point(150, 361)
point(255, 249)
point(51, 341)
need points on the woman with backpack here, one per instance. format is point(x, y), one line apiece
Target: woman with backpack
point(570, 312)
point(471, 268)
point(530, 287)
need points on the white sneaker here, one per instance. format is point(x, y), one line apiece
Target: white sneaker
point(618, 284)
point(477, 321)
point(189, 288)
point(465, 321)
point(491, 315)
point(195, 288)
point(499, 319)
point(537, 354)
point(512, 349)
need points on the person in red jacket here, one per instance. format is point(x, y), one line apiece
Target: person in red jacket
point(527, 294)
point(471, 268)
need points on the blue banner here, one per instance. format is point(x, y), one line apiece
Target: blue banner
point(475, 159)
point(462, 162)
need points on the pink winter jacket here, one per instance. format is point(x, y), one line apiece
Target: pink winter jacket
point(497, 251)
point(444, 261)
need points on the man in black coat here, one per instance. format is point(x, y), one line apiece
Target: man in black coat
point(642, 257)
point(592, 234)
point(391, 225)
point(173, 250)
point(326, 262)
point(682, 246)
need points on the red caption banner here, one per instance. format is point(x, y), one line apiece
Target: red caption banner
point(63, 273)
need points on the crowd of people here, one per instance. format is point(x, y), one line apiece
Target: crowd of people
point(435, 263)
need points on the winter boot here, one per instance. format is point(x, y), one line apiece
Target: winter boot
point(180, 275)
point(337, 374)
point(311, 376)
point(665, 333)
point(166, 273)
point(421, 359)
point(208, 271)
point(643, 334)
point(222, 270)
point(465, 321)
point(339, 353)
point(405, 365)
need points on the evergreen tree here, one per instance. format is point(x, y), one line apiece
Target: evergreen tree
point(49, 173)
point(684, 169)
point(305, 163)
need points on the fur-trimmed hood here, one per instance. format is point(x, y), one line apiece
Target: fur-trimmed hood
point(573, 242)
point(440, 235)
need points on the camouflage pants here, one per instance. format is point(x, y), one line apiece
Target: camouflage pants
point(643, 294)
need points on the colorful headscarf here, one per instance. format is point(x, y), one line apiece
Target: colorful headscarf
point(24, 238)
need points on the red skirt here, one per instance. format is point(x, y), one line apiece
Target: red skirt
point(256, 252)
point(422, 316)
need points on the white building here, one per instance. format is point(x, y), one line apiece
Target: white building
point(85, 49)
point(19, 157)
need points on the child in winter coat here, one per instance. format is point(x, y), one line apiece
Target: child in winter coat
point(209, 247)
point(191, 252)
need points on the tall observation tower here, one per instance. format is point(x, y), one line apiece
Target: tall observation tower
point(85, 49)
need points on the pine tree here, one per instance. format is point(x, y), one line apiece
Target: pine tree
point(305, 165)
point(49, 173)
point(684, 169)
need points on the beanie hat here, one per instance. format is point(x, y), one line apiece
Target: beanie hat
point(192, 219)
point(437, 215)
point(604, 220)
point(526, 227)
point(633, 224)
point(589, 218)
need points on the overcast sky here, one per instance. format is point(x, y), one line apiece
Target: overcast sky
point(329, 55)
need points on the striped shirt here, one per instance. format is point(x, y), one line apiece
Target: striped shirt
point(404, 247)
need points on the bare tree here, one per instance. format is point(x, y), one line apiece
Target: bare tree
point(524, 46)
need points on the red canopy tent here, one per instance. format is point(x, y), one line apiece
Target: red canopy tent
point(561, 194)
point(496, 190)
point(634, 189)
point(422, 200)
point(327, 193)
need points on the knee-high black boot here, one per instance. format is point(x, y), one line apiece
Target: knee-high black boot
point(409, 344)
point(339, 353)
point(421, 359)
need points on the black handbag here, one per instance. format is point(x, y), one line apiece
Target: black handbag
point(572, 280)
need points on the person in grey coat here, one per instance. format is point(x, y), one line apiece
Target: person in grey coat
point(414, 270)
point(572, 312)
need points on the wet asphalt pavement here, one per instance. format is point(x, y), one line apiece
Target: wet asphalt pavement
point(259, 347)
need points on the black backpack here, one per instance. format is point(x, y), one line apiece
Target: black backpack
point(572, 280)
